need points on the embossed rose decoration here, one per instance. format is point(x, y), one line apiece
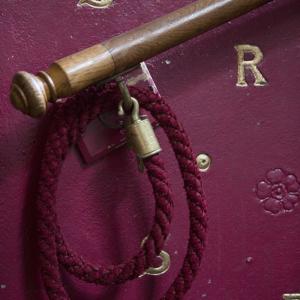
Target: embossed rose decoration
point(279, 192)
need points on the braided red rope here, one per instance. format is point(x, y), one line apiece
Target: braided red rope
point(69, 120)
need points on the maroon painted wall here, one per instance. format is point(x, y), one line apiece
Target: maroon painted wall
point(105, 209)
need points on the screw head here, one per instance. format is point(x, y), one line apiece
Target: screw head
point(203, 162)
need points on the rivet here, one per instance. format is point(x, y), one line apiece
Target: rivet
point(203, 162)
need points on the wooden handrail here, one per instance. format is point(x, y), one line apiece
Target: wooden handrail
point(31, 93)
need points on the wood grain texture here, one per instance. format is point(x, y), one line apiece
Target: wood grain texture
point(77, 71)
point(168, 31)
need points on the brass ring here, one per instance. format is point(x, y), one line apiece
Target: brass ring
point(163, 268)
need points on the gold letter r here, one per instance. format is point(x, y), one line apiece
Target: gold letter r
point(249, 64)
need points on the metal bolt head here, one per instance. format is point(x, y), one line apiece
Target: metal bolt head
point(203, 162)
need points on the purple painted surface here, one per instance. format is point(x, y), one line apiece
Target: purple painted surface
point(106, 209)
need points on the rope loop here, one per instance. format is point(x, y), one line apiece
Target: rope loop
point(69, 120)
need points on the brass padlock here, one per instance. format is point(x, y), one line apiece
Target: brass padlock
point(140, 133)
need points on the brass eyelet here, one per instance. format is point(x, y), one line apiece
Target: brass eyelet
point(163, 268)
point(203, 162)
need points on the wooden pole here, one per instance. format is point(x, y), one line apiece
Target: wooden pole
point(30, 93)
